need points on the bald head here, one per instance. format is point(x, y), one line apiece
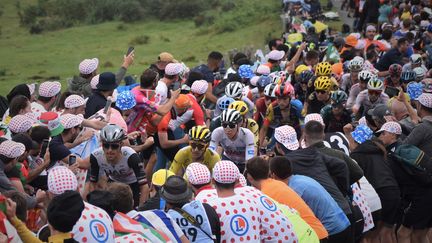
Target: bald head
point(398, 109)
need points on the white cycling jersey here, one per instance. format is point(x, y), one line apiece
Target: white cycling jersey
point(238, 150)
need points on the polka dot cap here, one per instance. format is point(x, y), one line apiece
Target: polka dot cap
point(276, 55)
point(130, 238)
point(361, 134)
point(254, 80)
point(70, 120)
point(242, 180)
point(94, 82)
point(263, 70)
point(61, 179)
point(199, 87)
point(87, 66)
point(173, 68)
point(125, 100)
point(12, 149)
point(49, 89)
point(73, 101)
point(391, 127)
point(314, 117)
point(225, 172)
point(20, 123)
point(198, 174)
point(287, 136)
point(425, 99)
point(245, 71)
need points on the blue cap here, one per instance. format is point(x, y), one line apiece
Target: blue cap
point(414, 90)
point(429, 28)
point(245, 71)
point(125, 100)
point(361, 134)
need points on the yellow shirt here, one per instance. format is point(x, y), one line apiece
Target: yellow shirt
point(184, 157)
point(253, 126)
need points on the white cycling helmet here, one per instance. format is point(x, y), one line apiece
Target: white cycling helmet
point(356, 64)
point(416, 59)
point(270, 90)
point(365, 75)
point(230, 116)
point(375, 84)
point(234, 90)
point(420, 73)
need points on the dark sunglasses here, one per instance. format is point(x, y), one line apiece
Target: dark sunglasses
point(374, 92)
point(113, 146)
point(270, 98)
point(338, 105)
point(198, 146)
point(230, 125)
point(321, 91)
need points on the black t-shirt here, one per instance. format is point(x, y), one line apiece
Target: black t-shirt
point(206, 72)
point(57, 149)
point(390, 57)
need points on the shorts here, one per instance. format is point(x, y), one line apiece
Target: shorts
point(417, 214)
point(390, 201)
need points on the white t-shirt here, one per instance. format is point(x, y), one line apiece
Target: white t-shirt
point(95, 225)
point(161, 93)
point(239, 218)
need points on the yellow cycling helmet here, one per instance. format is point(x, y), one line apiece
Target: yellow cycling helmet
point(160, 176)
point(240, 106)
point(323, 69)
point(323, 83)
point(200, 133)
point(301, 68)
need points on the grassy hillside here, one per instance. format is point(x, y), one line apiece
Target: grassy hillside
point(58, 53)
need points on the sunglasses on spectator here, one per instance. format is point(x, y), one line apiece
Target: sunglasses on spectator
point(338, 105)
point(374, 92)
point(113, 146)
point(230, 125)
point(195, 145)
point(321, 91)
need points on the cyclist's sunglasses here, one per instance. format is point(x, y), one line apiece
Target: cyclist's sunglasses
point(230, 125)
point(196, 145)
point(113, 146)
point(321, 91)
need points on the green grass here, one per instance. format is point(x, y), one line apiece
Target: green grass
point(58, 53)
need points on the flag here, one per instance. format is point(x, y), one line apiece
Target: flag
point(7, 228)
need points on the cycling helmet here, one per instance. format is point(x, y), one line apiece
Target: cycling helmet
point(263, 81)
point(356, 64)
point(408, 76)
point(339, 96)
point(240, 106)
point(323, 83)
point(284, 90)
point(234, 90)
point(112, 133)
point(375, 84)
point(395, 69)
point(420, 73)
point(427, 85)
point(365, 75)
point(270, 90)
point(224, 102)
point(305, 76)
point(416, 59)
point(200, 133)
point(323, 69)
point(230, 116)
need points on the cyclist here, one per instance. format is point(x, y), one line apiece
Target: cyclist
point(235, 90)
point(364, 76)
point(320, 97)
point(336, 116)
point(237, 142)
point(301, 87)
point(221, 104)
point(263, 102)
point(407, 77)
point(325, 69)
point(248, 123)
point(197, 151)
point(368, 99)
point(280, 112)
point(394, 80)
point(351, 78)
point(120, 163)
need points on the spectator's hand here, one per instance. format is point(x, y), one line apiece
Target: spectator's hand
point(149, 141)
point(40, 196)
point(302, 46)
point(401, 97)
point(3, 238)
point(46, 159)
point(185, 139)
point(74, 168)
point(175, 93)
point(128, 60)
point(10, 208)
point(348, 128)
point(133, 135)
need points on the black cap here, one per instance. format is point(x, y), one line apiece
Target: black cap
point(176, 190)
point(107, 82)
point(65, 210)
point(380, 111)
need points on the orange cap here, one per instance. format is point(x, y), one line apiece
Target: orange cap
point(183, 102)
point(337, 68)
point(351, 40)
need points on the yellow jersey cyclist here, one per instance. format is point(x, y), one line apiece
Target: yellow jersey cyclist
point(197, 151)
point(248, 123)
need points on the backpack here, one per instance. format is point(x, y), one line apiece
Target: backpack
point(4, 105)
point(415, 163)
